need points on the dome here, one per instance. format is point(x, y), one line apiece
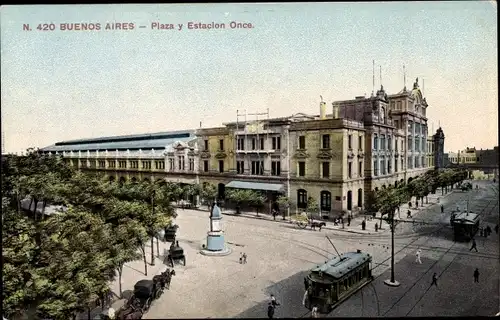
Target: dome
point(216, 213)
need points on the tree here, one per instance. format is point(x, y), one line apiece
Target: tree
point(312, 206)
point(283, 202)
point(256, 199)
point(208, 192)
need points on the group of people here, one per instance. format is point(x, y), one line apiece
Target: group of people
point(243, 258)
point(272, 306)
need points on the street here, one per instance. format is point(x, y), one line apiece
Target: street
point(279, 255)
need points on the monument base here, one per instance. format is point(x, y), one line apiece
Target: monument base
point(224, 252)
point(215, 241)
point(392, 284)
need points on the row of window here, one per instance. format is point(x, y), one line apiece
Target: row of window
point(383, 145)
point(132, 164)
point(383, 166)
point(257, 167)
point(326, 199)
point(258, 144)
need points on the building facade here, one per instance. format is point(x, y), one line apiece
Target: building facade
point(171, 156)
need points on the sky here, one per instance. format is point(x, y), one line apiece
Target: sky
point(60, 85)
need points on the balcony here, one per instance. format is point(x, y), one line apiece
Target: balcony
point(264, 152)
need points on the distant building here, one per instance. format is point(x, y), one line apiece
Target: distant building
point(437, 149)
point(466, 156)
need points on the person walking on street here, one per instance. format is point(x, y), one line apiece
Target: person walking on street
point(419, 252)
point(241, 257)
point(474, 245)
point(496, 228)
point(408, 214)
point(273, 302)
point(442, 209)
point(348, 221)
point(434, 280)
point(476, 275)
point(270, 311)
point(488, 230)
point(244, 258)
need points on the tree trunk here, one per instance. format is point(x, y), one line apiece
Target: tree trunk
point(31, 202)
point(157, 247)
point(152, 251)
point(44, 205)
point(144, 258)
point(88, 314)
point(426, 200)
point(442, 191)
point(381, 215)
point(34, 209)
point(120, 270)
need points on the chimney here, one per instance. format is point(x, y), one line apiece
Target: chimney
point(322, 110)
point(335, 111)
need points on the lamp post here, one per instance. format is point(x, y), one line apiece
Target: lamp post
point(392, 282)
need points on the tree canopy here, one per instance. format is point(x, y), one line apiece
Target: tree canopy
point(58, 265)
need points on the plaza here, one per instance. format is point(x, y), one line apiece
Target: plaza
point(280, 254)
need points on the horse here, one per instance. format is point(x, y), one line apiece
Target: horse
point(165, 278)
point(319, 225)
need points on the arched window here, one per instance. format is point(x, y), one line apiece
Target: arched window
point(349, 200)
point(301, 199)
point(326, 201)
point(382, 115)
point(375, 142)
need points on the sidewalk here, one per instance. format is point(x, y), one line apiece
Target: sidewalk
point(355, 225)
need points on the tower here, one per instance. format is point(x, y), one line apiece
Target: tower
point(439, 149)
point(215, 237)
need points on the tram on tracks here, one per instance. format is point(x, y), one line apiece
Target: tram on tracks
point(465, 225)
point(328, 285)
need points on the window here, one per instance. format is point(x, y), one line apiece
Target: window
point(326, 201)
point(301, 199)
point(241, 144)
point(254, 144)
point(325, 169)
point(221, 166)
point(349, 170)
point(191, 164)
point(396, 144)
point(375, 167)
point(389, 143)
point(388, 166)
point(160, 164)
point(410, 127)
point(75, 163)
point(205, 165)
point(134, 164)
point(375, 142)
point(102, 164)
point(205, 146)
point(92, 163)
point(402, 145)
point(171, 164)
point(181, 162)
point(398, 105)
point(396, 124)
point(349, 141)
point(417, 144)
point(360, 143)
point(258, 167)
point(221, 144)
point(240, 167)
point(111, 163)
point(276, 168)
point(146, 165)
point(302, 142)
point(261, 144)
point(410, 144)
point(396, 165)
point(360, 169)
point(410, 162)
point(382, 142)
point(402, 164)
point(276, 143)
point(325, 141)
point(382, 166)
point(302, 169)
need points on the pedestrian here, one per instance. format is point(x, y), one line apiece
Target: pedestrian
point(348, 221)
point(442, 209)
point(419, 252)
point(488, 230)
point(342, 220)
point(273, 302)
point(496, 228)
point(363, 225)
point(244, 258)
point(409, 204)
point(476, 275)
point(314, 312)
point(270, 311)
point(241, 257)
point(474, 245)
point(376, 227)
point(434, 280)
point(416, 204)
point(408, 214)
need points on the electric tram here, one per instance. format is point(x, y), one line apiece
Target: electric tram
point(330, 284)
point(465, 225)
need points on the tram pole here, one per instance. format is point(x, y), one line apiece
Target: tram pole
point(392, 282)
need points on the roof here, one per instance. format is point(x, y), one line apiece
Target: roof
point(141, 141)
point(49, 209)
point(338, 267)
point(466, 218)
point(255, 185)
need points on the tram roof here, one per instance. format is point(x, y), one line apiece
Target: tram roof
point(466, 218)
point(337, 267)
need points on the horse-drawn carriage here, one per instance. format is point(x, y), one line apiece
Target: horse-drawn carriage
point(303, 221)
point(170, 232)
point(176, 253)
point(145, 291)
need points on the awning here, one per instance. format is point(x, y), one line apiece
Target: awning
point(255, 186)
